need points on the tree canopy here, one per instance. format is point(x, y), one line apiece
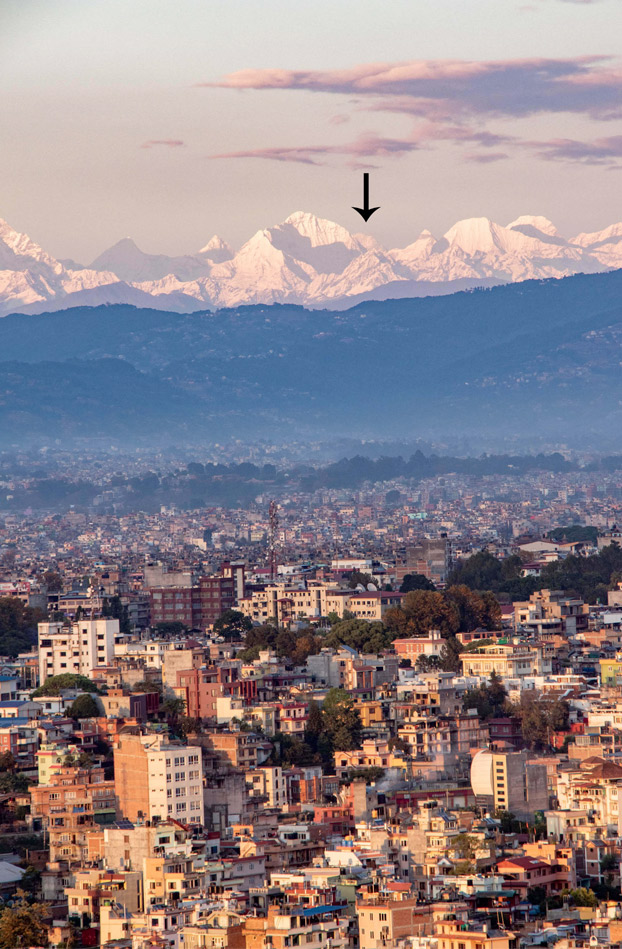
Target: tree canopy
point(232, 624)
point(18, 626)
point(54, 685)
point(84, 706)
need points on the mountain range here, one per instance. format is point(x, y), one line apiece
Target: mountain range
point(304, 260)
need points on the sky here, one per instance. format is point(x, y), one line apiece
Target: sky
point(170, 122)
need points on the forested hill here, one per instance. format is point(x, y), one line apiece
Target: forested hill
point(539, 355)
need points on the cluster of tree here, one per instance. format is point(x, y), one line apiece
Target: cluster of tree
point(589, 577)
point(18, 626)
point(23, 924)
point(352, 472)
point(482, 571)
point(457, 608)
point(333, 726)
point(574, 534)
point(67, 680)
point(288, 644)
point(232, 625)
point(540, 715)
point(360, 635)
point(84, 706)
point(113, 607)
point(416, 581)
point(580, 896)
point(489, 699)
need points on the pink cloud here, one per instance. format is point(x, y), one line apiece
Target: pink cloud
point(442, 88)
point(371, 145)
point(600, 151)
point(169, 142)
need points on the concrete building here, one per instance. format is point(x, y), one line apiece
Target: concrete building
point(79, 647)
point(158, 779)
point(551, 611)
point(507, 781)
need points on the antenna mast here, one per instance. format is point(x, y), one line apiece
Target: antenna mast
point(273, 530)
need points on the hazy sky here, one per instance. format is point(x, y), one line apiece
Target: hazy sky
point(170, 121)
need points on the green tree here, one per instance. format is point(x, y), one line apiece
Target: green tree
point(173, 628)
point(583, 897)
point(53, 581)
point(115, 609)
point(360, 635)
point(18, 626)
point(416, 581)
point(540, 716)
point(341, 720)
point(232, 624)
point(7, 762)
point(173, 708)
point(356, 578)
point(23, 924)
point(489, 700)
point(146, 685)
point(67, 680)
point(465, 846)
point(426, 610)
point(84, 706)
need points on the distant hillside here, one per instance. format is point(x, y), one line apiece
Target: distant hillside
point(539, 356)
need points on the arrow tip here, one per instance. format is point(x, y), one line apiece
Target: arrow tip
point(365, 213)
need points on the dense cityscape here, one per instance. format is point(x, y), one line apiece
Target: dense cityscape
point(380, 714)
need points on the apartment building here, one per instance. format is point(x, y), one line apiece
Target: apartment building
point(74, 802)
point(509, 781)
point(78, 647)
point(315, 599)
point(198, 605)
point(552, 611)
point(508, 660)
point(156, 779)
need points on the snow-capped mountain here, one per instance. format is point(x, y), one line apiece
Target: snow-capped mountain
point(306, 260)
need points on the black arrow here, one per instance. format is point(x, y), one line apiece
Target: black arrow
point(365, 212)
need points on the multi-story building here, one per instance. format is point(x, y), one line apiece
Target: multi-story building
point(78, 647)
point(158, 779)
point(198, 606)
point(509, 661)
point(74, 803)
point(431, 557)
point(509, 781)
point(552, 611)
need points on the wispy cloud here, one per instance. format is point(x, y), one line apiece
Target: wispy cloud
point(437, 89)
point(485, 158)
point(454, 101)
point(370, 145)
point(168, 142)
point(600, 151)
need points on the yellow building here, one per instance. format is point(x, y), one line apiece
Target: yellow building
point(611, 671)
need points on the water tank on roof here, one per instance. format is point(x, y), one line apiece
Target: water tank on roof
point(481, 774)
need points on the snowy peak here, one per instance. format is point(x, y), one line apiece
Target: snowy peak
point(318, 231)
point(541, 224)
point(306, 260)
point(18, 251)
point(130, 263)
point(475, 235)
point(217, 250)
point(610, 235)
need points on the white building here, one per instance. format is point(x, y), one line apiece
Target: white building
point(158, 779)
point(175, 782)
point(79, 648)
